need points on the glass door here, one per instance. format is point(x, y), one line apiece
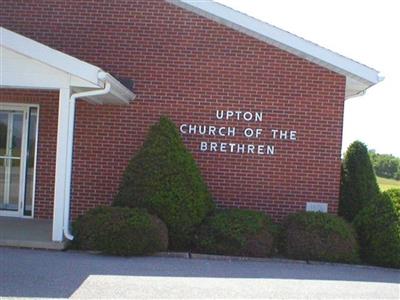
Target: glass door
point(17, 152)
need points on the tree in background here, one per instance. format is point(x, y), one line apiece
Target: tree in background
point(359, 185)
point(385, 165)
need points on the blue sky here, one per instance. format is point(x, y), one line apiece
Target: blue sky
point(366, 31)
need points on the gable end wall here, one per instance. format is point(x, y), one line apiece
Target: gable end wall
point(187, 67)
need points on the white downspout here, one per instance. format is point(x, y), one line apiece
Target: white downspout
point(70, 147)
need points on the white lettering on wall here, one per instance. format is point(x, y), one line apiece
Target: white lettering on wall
point(207, 130)
point(239, 115)
point(182, 128)
point(203, 146)
point(293, 135)
point(260, 149)
point(223, 147)
point(237, 148)
point(258, 117)
point(225, 132)
point(202, 130)
point(250, 149)
point(248, 132)
point(192, 129)
point(220, 114)
point(211, 130)
point(270, 150)
point(284, 134)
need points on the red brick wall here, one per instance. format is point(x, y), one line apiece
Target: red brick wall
point(187, 67)
point(47, 144)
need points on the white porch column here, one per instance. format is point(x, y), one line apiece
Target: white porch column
point(61, 165)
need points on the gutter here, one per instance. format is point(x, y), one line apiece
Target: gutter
point(111, 86)
point(118, 89)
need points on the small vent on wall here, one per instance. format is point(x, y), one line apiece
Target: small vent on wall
point(317, 206)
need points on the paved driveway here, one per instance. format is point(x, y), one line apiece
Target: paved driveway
point(34, 273)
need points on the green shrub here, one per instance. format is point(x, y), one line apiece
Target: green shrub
point(319, 236)
point(378, 228)
point(163, 178)
point(120, 231)
point(236, 232)
point(394, 195)
point(359, 184)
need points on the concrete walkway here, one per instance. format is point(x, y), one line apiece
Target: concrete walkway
point(39, 273)
point(29, 233)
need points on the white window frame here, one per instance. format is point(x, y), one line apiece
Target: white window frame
point(25, 107)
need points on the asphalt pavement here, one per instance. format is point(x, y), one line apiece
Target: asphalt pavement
point(53, 274)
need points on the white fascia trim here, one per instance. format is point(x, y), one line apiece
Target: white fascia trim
point(281, 39)
point(49, 56)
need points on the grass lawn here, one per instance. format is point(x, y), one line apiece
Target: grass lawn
point(385, 183)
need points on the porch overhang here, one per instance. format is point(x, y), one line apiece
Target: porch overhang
point(28, 64)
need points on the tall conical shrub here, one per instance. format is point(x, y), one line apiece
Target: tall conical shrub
point(163, 178)
point(358, 185)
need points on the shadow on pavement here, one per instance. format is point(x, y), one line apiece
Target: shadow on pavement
point(36, 273)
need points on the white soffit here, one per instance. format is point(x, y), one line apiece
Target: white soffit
point(19, 71)
point(49, 56)
point(25, 63)
point(359, 77)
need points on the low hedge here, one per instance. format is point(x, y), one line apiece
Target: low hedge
point(378, 228)
point(236, 232)
point(319, 236)
point(120, 231)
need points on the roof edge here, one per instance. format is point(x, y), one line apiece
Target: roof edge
point(282, 39)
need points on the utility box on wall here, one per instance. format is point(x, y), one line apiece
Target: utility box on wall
point(317, 207)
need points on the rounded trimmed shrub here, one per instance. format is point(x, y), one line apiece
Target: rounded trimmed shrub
point(236, 232)
point(319, 236)
point(358, 183)
point(120, 231)
point(164, 179)
point(378, 228)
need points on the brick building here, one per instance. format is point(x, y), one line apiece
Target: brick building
point(260, 109)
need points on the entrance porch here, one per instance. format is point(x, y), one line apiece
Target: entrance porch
point(28, 233)
point(29, 65)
